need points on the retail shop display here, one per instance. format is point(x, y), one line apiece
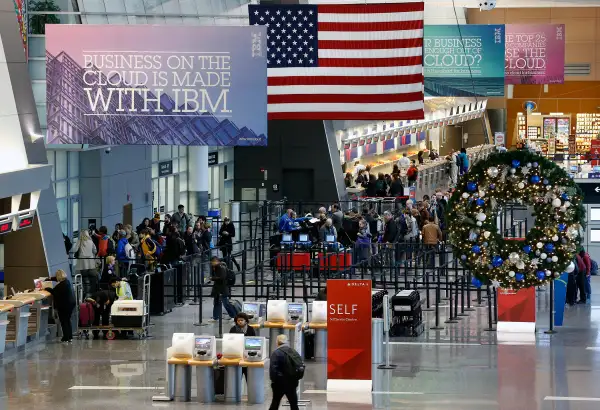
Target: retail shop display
point(526, 178)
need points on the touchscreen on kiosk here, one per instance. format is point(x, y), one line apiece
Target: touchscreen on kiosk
point(330, 238)
point(303, 237)
point(253, 343)
point(287, 238)
point(203, 343)
point(295, 310)
point(251, 309)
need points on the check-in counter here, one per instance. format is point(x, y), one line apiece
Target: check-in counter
point(5, 309)
point(16, 332)
point(37, 325)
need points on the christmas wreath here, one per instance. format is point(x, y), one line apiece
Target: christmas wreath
point(549, 247)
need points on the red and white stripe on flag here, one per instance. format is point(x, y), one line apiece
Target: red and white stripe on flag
point(370, 66)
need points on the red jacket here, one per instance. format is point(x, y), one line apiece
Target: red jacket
point(580, 264)
point(588, 263)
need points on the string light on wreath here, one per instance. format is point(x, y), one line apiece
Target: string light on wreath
point(548, 247)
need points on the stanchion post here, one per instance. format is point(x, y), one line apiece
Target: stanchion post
point(386, 331)
point(437, 310)
point(428, 303)
point(451, 319)
point(489, 299)
point(462, 297)
point(469, 308)
point(200, 301)
point(551, 331)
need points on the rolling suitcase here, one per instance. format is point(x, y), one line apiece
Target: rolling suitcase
point(86, 315)
point(309, 345)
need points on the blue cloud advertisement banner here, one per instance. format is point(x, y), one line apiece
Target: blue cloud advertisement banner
point(156, 85)
point(465, 60)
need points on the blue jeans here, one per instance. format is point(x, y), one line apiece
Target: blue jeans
point(217, 310)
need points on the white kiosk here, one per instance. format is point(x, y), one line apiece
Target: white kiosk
point(257, 312)
point(233, 353)
point(179, 372)
point(277, 314)
point(318, 322)
point(205, 355)
point(297, 314)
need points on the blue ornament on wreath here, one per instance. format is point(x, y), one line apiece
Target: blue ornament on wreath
point(516, 163)
point(527, 249)
point(471, 186)
point(535, 179)
point(497, 261)
point(480, 202)
point(476, 282)
point(463, 257)
point(546, 182)
point(492, 186)
point(535, 164)
point(549, 247)
point(476, 249)
point(519, 277)
point(541, 275)
point(562, 227)
point(565, 197)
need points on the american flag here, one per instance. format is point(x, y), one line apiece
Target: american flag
point(359, 61)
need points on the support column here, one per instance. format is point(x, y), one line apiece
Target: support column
point(198, 180)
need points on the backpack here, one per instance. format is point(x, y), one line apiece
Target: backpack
point(110, 248)
point(158, 250)
point(594, 269)
point(403, 225)
point(230, 277)
point(294, 365)
point(459, 161)
point(380, 185)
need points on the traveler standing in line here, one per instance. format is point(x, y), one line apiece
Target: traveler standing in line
point(125, 253)
point(371, 190)
point(85, 262)
point(132, 237)
point(432, 236)
point(381, 185)
point(180, 219)
point(226, 235)
point(115, 235)
point(220, 290)
point(463, 161)
point(106, 246)
point(412, 174)
point(68, 244)
point(396, 187)
point(191, 245)
point(155, 223)
point(404, 162)
point(420, 157)
point(286, 370)
point(64, 303)
point(167, 225)
point(327, 230)
point(144, 225)
point(453, 159)
point(337, 217)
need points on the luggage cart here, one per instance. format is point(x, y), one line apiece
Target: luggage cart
point(111, 330)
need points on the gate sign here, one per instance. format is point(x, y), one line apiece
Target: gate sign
point(156, 85)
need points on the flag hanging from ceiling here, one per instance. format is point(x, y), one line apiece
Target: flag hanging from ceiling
point(359, 61)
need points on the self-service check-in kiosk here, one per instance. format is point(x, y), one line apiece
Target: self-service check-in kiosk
point(257, 313)
point(255, 354)
point(205, 355)
point(179, 371)
point(277, 315)
point(233, 352)
point(318, 322)
point(297, 313)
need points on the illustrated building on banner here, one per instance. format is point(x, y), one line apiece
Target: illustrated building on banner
point(70, 122)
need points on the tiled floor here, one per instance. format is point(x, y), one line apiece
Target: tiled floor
point(460, 368)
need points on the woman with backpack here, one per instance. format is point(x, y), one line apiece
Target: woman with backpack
point(381, 186)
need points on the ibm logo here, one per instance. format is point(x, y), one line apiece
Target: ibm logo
point(498, 35)
point(559, 32)
point(257, 45)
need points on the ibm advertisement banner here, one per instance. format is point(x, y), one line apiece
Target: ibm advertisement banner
point(464, 61)
point(535, 54)
point(158, 85)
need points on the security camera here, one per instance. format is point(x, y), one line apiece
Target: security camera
point(487, 5)
point(107, 150)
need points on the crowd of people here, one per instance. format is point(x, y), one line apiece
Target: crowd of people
point(152, 242)
point(417, 221)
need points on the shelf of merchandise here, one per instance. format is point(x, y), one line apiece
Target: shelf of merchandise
point(522, 124)
point(588, 124)
point(533, 132)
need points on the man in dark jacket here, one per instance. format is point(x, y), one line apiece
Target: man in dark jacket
point(226, 235)
point(283, 382)
point(220, 290)
point(180, 219)
point(102, 302)
point(337, 217)
point(390, 233)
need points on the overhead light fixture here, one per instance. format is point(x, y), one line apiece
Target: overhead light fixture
point(556, 113)
point(36, 137)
